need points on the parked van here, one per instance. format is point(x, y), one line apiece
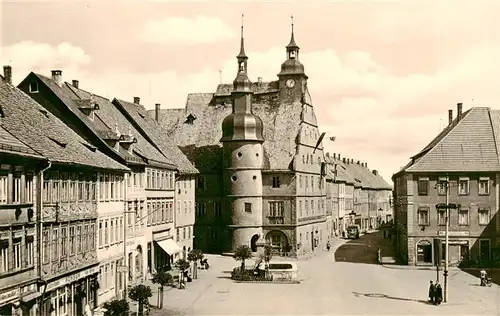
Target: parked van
point(280, 270)
point(353, 232)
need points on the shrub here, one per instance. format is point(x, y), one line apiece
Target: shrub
point(116, 308)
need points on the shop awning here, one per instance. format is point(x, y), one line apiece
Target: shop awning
point(170, 246)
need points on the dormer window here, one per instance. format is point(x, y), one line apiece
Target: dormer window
point(33, 86)
point(190, 119)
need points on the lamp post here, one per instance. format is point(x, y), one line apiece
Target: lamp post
point(447, 249)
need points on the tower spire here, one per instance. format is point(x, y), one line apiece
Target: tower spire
point(292, 43)
point(242, 54)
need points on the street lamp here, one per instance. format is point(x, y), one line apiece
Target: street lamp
point(41, 301)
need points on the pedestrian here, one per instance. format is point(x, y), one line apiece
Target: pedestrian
point(328, 246)
point(432, 292)
point(439, 294)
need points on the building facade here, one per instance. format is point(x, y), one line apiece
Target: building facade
point(67, 199)
point(144, 208)
point(284, 203)
point(359, 196)
point(460, 167)
point(20, 212)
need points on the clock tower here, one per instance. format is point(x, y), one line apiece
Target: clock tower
point(292, 77)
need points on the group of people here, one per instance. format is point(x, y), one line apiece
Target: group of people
point(435, 293)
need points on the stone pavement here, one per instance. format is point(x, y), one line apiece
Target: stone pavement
point(329, 288)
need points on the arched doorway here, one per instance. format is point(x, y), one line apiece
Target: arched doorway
point(253, 242)
point(424, 251)
point(278, 241)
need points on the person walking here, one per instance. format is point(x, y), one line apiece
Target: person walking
point(439, 294)
point(328, 246)
point(432, 292)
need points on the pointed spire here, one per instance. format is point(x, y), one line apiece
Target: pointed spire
point(292, 43)
point(242, 54)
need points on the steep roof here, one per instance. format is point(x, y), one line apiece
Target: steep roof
point(114, 120)
point(11, 145)
point(281, 125)
point(468, 144)
point(156, 135)
point(30, 123)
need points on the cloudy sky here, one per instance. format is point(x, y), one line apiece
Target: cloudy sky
point(382, 73)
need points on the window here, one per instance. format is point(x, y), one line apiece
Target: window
point(178, 234)
point(78, 239)
point(148, 210)
point(33, 86)
point(201, 208)
point(423, 216)
point(64, 249)
point(463, 186)
point(16, 253)
point(301, 210)
point(441, 186)
point(45, 245)
point(185, 208)
point(55, 236)
point(441, 217)
point(4, 187)
point(276, 209)
point(201, 183)
point(4, 256)
point(307, 207)
point(29, 251)
point(312, 182)
point(106, 233)
point(121, 228)
point(16, 188)
point(106, 187)
point(88, 182)
point(484, 186)
point(28, 187)
point(112, 184)
point(72, 240)
point(100, 234)
point(276, 182)
point(72, 188)
point(112, 231)
point(423, 186)
point(248, 207)
point(81, 182)
point(463, 217)
point(64, 187)
point(183, 233)
point(484, 217)
point(217, 209)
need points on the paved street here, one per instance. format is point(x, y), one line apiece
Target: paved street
point(330, 287)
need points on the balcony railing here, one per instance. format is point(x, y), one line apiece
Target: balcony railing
point(276, 220)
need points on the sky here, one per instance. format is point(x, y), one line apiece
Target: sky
point(382, 74)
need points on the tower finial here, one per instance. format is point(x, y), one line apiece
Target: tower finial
point(291, 16)
point(292, 43)
point(242, 45)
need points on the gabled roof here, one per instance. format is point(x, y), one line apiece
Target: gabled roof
point(281, 126)
point(151, 130)
point(32, 124)
point(109, 116)
point(467, 145)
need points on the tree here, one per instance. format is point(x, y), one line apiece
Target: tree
point(141, 294)
point(162, 278)
point(266, 256)
point(116, 308)
point(195, 255)
point(242, 253)
point(182, 264)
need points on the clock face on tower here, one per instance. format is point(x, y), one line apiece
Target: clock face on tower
point(290, 83)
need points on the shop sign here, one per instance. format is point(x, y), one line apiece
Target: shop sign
point(70, 279)
point(161, 235)
point(454, 233)
point(8, 295)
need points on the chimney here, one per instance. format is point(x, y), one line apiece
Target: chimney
point(327, 155)
point(157, 112)
point(343, 160)
point(334, 156)
point(358, 162)
point(459, 111)
point(137, 100)
point(375, 172)
point(7, 74)
point(75, 83)
point(57, 76)
point(338, 156)
point(352, 161)
point(450, 117)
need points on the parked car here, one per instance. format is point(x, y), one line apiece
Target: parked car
point(353, 231)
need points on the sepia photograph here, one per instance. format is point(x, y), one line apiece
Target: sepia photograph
point(249, 157)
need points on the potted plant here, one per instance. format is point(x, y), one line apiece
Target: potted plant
point(162, 278)
point(195, 255)
point(141, 294)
